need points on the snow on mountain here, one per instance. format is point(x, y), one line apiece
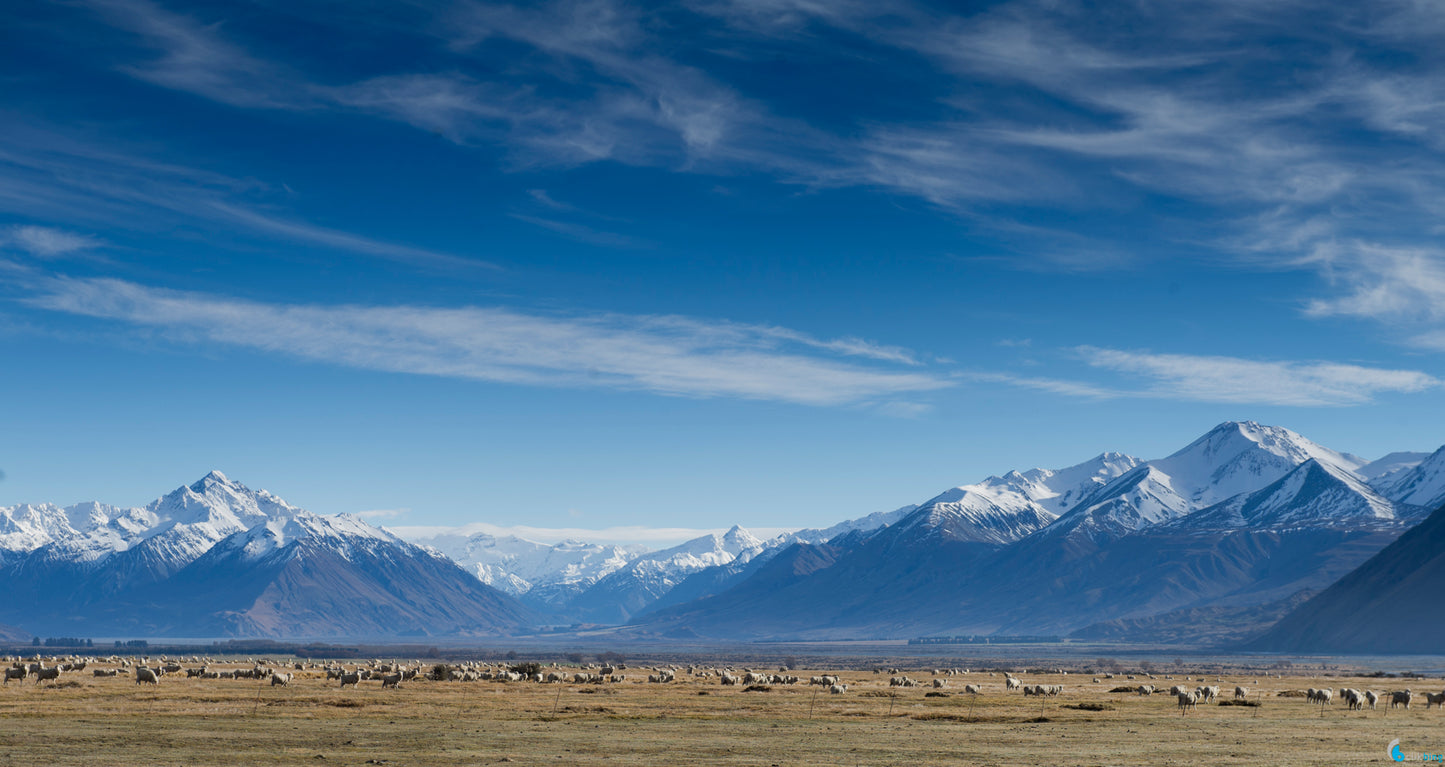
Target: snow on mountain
point(1393, 463)
point(1315, 494)
point(1143, 497)
point(518, 566)
point(1423, 485)
point(977, 513)
point(1002, 510)
point(341, 534)
point(1232, 460)
point(642, 581)
point(1240, 457)
point(27, 527)
point(1061, 489)
point(874, 521)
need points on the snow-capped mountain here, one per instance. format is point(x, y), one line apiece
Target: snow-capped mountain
point(1314, 494)
point(546, 574)
point(642, 581)
point(1244, 517)
point(87, 529)
point(1004, 509)
point(1240, 457)
point(866, 524)
point(1143, 497)
point(108, 569)
point(1232, 460)
point(1378, 469)
point(1423, 485)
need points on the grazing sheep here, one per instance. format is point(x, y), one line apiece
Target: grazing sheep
point(283, 680)
point(838, 689)
point(1010, 683)
point(1241, 693)
point(1401, 698)
point(1372, 697)
point(47, 674)
point(972, 689)
point(106, 672)
point(146, 675)
point(1146, 689)
point(1434, 699)
point(391, 680)
point(15, 673)
point(353, 678)
point(1187, 700)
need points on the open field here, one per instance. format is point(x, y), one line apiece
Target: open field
point(85, 720)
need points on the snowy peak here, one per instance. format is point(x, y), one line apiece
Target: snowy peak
point(1381, 469)
point(519, 566)
point(215, 500)
point(1001, 510)
point(301, 529)
point(1059, 490)
point(1143, 497)
point(1240, 457)
point(1315, 494)
point(1423, 485)
point(868, 524)
point(709, 550)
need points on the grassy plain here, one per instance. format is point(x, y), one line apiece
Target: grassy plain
point(92, 721)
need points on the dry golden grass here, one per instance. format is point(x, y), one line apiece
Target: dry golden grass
point(112, 721)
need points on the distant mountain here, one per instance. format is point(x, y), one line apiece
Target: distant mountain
point(869, 523)
point(1421, 485)
point(1389, 604)
point(627, 591)
point(216, 558)
point(544, 575)
point(1276, 515)
point(1394, 462)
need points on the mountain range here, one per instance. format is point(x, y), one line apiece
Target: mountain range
point(1219, 539)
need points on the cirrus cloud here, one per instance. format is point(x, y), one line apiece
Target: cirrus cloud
point(662, 354)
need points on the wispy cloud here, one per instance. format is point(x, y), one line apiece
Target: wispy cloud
point(1050, 385)
point(1283, 150)
point(663, 354)
point(1387, 283)
point(580, 232)
point(45, 174)
point(46, 242)
point(1242, 381)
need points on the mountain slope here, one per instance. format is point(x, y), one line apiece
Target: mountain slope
point(217, 559)
point(627, 591)
point(1390, 604)
point(1423, 485)
point(1314, 494)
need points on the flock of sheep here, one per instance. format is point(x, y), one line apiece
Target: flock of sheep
point(392, 675)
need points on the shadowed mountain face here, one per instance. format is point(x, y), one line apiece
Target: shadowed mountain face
point(1389, 604)
point(218, 559)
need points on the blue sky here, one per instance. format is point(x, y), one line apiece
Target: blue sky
point(775, 262)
